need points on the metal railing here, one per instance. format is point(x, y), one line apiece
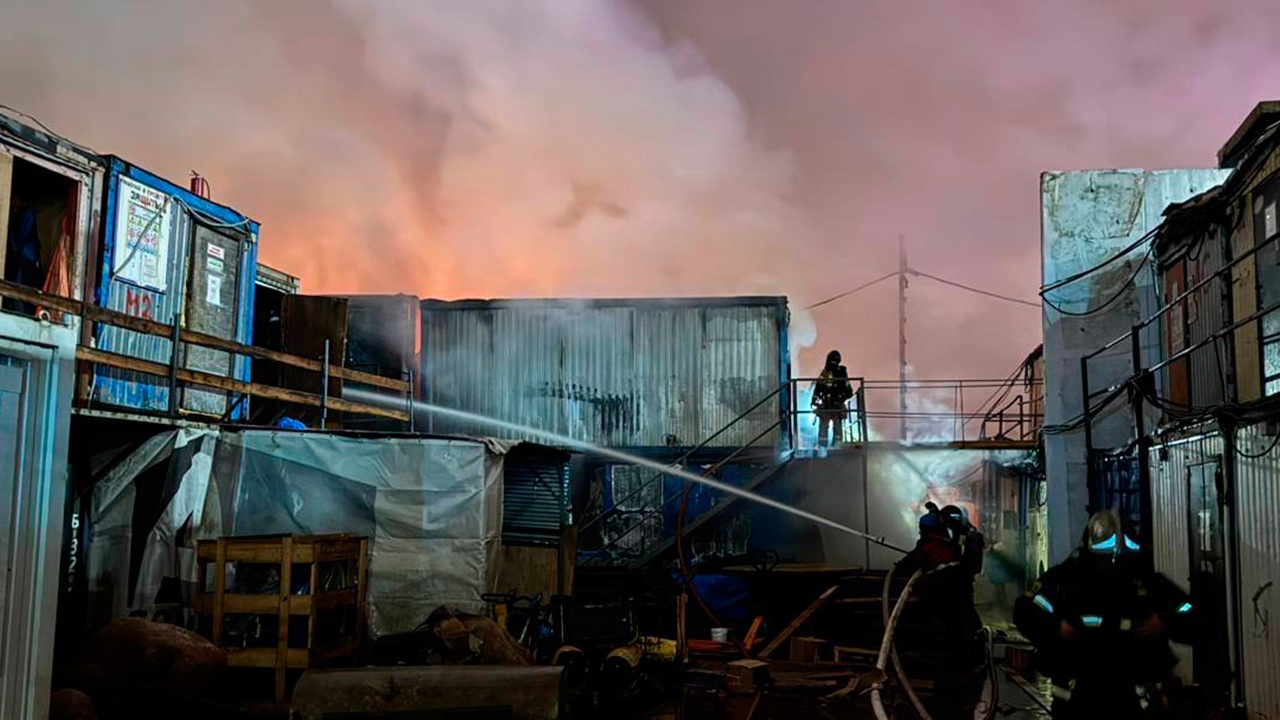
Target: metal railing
point(176, 376)
point(1000, 418)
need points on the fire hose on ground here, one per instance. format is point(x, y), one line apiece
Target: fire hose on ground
point(877, 704)
point(893, 651)
point(887, 650)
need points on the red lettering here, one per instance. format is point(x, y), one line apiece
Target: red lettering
point(137, 304)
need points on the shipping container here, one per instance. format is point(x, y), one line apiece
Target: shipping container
point(1190, 252)
point(619, 373)
point(1226, 552)
point(169, 255)
point(1257, 495)
point(50, 190)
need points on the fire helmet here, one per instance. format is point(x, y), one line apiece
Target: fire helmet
point(1107, 535)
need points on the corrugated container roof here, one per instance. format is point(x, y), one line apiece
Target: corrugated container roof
point(570, 303)
point(278, 280)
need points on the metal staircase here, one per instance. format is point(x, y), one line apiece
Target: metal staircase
point(617, 524)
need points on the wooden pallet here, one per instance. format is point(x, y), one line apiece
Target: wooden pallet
point(284, 552)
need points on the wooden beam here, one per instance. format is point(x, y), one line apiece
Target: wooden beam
point(192, 377)
point(158, 329)
point(800, 620)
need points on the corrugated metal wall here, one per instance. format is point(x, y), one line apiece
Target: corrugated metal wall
point(148, 393)
point(636, 373)
point(1206, 316)
point(1258, 503)
point(1257, 507)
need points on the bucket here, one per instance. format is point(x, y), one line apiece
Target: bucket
point(720, 635)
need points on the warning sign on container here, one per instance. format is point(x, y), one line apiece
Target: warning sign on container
point(141, 252)
point(214, 293)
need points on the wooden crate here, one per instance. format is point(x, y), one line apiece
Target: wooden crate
point(214, 601)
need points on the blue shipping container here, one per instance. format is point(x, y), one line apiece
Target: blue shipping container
point(167, 254)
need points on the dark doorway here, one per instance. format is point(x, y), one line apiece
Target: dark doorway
point(1212, 669)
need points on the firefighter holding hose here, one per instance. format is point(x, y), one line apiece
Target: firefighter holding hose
point(830, 393)
point(1101, 625)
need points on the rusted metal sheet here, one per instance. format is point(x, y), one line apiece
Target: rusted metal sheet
point(1258, 505)
point(150, 278)
point(1177, 378)
point(620, 373)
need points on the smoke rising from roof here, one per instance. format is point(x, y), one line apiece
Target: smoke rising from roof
point(655, 147)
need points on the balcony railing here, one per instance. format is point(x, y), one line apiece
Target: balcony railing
point(178, 377)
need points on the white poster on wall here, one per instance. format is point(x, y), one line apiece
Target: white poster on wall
point(141, 252)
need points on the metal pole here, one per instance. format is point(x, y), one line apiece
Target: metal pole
point(1087, 418)
point(324, 387)
point(1144, 445)
point(174, 356)
point(408, 402)
point(902, 334)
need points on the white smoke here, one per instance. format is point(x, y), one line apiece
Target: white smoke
point(476, 148)
point(585, 152)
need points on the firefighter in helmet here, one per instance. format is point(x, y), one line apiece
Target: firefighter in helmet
point(1102, 623)
point(830, 393)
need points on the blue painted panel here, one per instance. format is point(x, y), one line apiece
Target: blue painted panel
point(147, 393)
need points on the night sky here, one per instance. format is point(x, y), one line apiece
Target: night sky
point(477, 148)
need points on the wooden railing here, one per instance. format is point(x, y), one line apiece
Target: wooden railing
point(178, 375)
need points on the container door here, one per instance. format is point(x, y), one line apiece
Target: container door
point(211, 308)
point(1208, 578)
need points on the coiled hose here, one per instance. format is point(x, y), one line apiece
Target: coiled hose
point(891, 623)
point(893, 651)
point(877, 704)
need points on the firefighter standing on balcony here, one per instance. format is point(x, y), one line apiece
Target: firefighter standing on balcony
point(830, 393)
point(1102, 624)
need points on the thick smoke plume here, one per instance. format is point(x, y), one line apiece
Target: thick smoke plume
point(600, 147)
point(447, 149)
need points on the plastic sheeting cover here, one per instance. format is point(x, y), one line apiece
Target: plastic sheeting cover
point(432, 507)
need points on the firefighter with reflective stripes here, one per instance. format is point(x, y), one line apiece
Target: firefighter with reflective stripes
point(830, 393)
point(1101, 626)
point(946, 588)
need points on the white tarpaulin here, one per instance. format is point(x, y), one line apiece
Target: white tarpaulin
point(175, 468)
point(431, 507)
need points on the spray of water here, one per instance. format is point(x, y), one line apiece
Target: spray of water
point(563, 441)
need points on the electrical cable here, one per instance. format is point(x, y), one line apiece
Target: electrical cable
point(47, 130)
point(1231, 442)
point(1086, 273)
point(1119, 293)
point(847, 293)
point(971, 289)
point(211, 221)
